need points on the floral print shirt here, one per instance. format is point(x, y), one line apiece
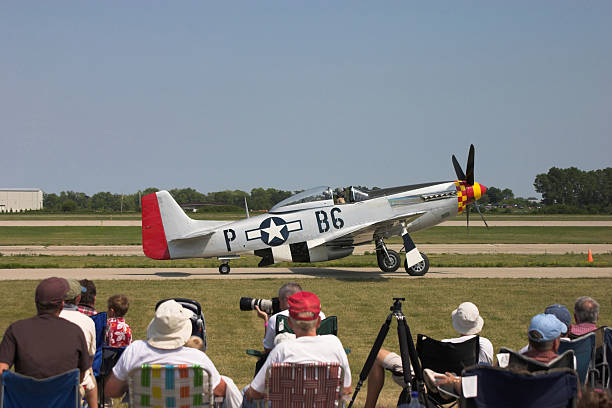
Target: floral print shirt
point(118, 332)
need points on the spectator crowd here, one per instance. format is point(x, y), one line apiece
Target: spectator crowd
point(64, 335)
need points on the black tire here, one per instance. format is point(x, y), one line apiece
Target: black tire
point(224, 269)
point(419, 269)
point(388, 264)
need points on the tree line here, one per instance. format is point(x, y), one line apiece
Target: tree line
point(563, 191)
point(576, 191)
point(229, 200)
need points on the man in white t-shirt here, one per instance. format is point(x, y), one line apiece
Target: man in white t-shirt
point(304, 309)
point(166, 337)
point(71, 313)
point(466, 321)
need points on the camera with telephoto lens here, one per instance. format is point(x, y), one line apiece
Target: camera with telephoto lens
point(270, 306)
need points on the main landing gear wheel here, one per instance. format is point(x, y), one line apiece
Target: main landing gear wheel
point(388, 263)
point(419, 269)
point(224, 269)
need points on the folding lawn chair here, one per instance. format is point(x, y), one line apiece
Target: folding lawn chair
point(171, 386)
point(444, 357)
point(495, 387)
point(603, 367)
point(518, 361)
point(584, 349)
point(290, 385)
point(20, 391)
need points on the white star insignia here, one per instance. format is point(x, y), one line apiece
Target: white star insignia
point(274, 231)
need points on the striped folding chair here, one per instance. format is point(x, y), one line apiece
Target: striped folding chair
point(172, 386)
point(310, 385)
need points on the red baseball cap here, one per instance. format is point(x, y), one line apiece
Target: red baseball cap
point(304, 302)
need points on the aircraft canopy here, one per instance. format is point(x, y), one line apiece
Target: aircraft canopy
point(321, 196)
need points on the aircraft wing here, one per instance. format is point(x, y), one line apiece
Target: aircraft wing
point(363, 234)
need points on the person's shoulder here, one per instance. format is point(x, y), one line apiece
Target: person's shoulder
point(195, 355)
point(327, 339)
point(485, 341)
point(136, 347)
point(136, 344)
point(79, 318)
point(281, 313)
point(23, 324)
point(272, 319)
point(331, 339)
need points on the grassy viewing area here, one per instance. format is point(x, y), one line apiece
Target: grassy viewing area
point(361, 306)
point(111, 235)
point(368, 260)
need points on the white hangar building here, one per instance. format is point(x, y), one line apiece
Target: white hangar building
point(20, 199)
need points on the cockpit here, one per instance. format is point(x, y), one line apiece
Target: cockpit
point(356, 195)
point(321, 196)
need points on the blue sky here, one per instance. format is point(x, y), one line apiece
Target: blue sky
point(119, 96)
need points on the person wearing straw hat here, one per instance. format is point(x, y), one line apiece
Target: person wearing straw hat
point(167, 334)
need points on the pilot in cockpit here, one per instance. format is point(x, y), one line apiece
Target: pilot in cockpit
point(339, 196)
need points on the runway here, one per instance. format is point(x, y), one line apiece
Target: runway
point(136, 250)
point(301, 273)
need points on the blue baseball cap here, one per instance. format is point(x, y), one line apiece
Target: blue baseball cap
point(560, 312)
point(547, 326)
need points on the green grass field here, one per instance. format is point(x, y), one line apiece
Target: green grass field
point(361, 306)
point(436, 260)
point(110, 235)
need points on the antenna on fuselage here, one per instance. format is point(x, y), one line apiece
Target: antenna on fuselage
point(246, 207)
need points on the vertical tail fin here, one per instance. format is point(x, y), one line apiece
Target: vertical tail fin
point(162, 220)
point(154, 242)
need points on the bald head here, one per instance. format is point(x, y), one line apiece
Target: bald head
point(586, 310)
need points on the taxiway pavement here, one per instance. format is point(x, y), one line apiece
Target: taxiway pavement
point(136, 250)
point(301, 273)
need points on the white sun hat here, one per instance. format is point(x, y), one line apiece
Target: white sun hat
point(466, 319)
point(171, 327)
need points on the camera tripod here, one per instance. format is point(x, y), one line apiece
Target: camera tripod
point(407, 353)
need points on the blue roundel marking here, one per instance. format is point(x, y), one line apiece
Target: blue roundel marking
point(274, 231)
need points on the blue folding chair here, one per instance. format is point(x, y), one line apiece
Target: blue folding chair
point(500, 388)
point(584, 350)
point(20, 391)
point(604, 366)
point(100, 324)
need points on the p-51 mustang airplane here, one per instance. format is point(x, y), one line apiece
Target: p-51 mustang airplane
point(310, 227)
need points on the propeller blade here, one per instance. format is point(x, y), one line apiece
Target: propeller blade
point(458, 169)
point(469, 170)
point(481, 216)
point(467, 217)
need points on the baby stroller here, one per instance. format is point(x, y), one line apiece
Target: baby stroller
point(198, 324)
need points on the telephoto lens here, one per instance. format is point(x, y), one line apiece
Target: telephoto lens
point(266, 305)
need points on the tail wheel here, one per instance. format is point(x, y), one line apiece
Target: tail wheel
point(224, 269)
point(419, 269)
point(388, 263)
